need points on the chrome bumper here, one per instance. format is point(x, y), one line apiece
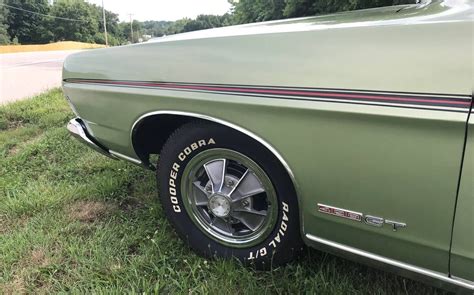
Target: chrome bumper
point(77, 129)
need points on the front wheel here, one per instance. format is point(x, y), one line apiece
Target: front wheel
point(228, 196)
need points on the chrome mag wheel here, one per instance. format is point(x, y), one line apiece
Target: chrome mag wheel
point(229, 197)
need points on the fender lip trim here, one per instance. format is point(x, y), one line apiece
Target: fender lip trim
point(415, 270)
point(222, 122)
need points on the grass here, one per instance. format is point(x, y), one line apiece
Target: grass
point(72, 220)
point(64, 45)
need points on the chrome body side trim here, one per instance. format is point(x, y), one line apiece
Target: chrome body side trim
point(398, 264)
point(77, 129)
point(126, 158)
point(463, 280)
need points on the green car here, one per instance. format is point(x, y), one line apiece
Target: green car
point(352, 133)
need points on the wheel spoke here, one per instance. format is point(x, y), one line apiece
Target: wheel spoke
point(200, 194)
point(216, 172)
point(205, 214)
point(252, 211)
point(248, 186)
point(250, 218)
point(222, 225)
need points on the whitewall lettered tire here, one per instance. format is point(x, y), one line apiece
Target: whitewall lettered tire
point(228, 196)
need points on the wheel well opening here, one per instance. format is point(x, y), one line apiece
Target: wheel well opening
point(150, 134)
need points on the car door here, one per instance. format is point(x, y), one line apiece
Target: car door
point(371, 168)
point(462, 251)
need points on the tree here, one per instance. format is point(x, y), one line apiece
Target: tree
point(112, 21)
point(80, 21)
point(4, 37)
point(202, 22)
point(28, 27)
point(124, 28)
point(113, 29)
point(35, 21)
point(177, 27)
point(247, 11)
point(295, 8)
point(137, 30)
point(156, 28)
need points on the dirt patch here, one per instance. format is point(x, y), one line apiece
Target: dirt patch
point(5, 225)
point(16, 286)
point(13, 150)
point(130, 204)
point(17, 148)
point(7, 122)
point(38, 258)
point(8, 224)
point(12, 124)
point(89, 211)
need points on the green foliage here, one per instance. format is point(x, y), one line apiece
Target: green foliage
point(74, 221)
point(29, 28)
point(156, 28)
point(125, 31)
point(72, 20)
point(246, 11)
point(4, 36)
point(114, 33)
point(295, 8)
point(82, 30)
point(202, 22)
point(177, 26)
point(137, 30)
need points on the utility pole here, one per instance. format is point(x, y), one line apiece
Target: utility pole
point(105, 24)
point(131, 28)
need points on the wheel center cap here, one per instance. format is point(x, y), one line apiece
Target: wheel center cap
point(219, 205)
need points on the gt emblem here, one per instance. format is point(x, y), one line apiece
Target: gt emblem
point(373, 220)
point(356, 216)
point(395, 225)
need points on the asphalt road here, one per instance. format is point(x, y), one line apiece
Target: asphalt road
point(23, 75)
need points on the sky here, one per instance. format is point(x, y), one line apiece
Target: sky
point(163, 9)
